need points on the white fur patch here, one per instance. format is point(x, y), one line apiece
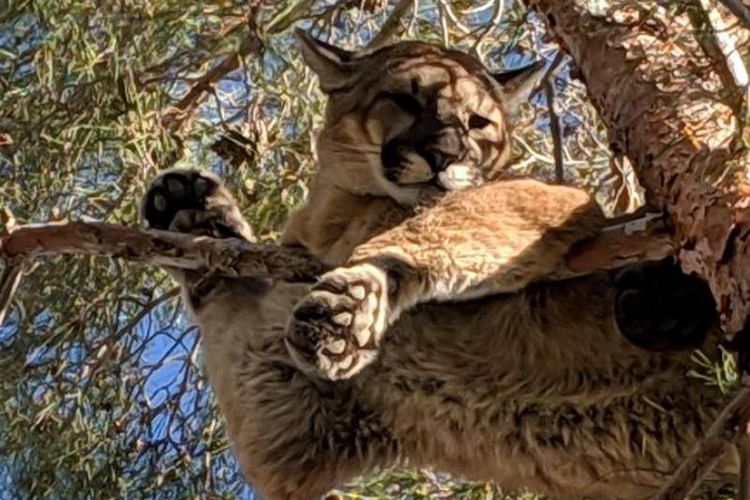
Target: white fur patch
point(458, 176)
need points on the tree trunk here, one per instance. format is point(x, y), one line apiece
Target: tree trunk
point(670, 107)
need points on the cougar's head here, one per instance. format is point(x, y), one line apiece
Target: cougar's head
point(412, 115)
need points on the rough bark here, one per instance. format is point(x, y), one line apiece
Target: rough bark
point(232, 257)
point(619, 244)
point(668, 110)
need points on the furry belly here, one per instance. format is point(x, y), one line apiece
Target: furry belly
point(554, 401)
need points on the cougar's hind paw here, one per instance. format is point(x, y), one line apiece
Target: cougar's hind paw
point(193, 202)
point(338, 326)
point(659, 308)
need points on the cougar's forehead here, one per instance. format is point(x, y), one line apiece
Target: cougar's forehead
point(454, 79)
point(451, 84)
point(440, 68)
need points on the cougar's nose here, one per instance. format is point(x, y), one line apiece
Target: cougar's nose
point(440, 160)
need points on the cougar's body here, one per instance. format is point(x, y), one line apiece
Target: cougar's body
point(536, 389)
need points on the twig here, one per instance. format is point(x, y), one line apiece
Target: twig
point(184, 107)
point(497, 15)
point(9, 281)
point(391, 25)
point(11, 276)
point(554, 119)
point(708, 450)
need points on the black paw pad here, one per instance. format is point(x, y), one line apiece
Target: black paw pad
point(173, 192)
point(659, 308)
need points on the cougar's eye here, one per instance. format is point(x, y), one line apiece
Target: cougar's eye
point(478, 121)
point(407, 102)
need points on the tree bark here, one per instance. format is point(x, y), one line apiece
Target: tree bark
point(619, 244)
point(671, 111)
point(231, 256)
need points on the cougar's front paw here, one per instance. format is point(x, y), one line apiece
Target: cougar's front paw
point(338, 326)
point(193, 202)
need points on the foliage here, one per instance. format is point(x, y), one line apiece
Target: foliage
point(101, 391)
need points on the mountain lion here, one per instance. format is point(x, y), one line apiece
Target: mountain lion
point(533, 388)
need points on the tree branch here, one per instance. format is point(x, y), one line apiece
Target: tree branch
point(620, 245)
point(187, 104)
point(232, 257)
point(651, 91)
point(708, 450)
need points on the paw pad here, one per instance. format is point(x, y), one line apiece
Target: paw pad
point(173, 192)
point(338, 326)
point(193, 202)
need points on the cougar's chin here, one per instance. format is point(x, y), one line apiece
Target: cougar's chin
point(458, 176)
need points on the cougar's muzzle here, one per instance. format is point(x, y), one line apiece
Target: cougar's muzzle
point(431, 152)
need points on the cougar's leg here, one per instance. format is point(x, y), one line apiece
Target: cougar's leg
point(497, 238)
point(193, 202)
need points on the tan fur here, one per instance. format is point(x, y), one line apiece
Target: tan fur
point(443, 117)
point(534, 389)
point(499, 237)
point(350, 198)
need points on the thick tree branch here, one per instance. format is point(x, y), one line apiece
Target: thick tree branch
point(621, 244)
point(655, 84)
point(661, 99)
point(232, 257)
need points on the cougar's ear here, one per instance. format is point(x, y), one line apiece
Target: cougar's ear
point(327, 61)
point(518, 84)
